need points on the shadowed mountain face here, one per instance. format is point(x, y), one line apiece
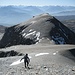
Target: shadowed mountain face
point(40, 29)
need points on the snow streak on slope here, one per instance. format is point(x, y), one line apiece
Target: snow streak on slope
point(18, 62)
point(41, 54)
point(32, 34)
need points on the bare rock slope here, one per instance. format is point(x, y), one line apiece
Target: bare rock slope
point(45, 60)
point(38, 29)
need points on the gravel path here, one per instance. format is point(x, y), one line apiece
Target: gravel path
point(50, 64)
point(48, 69)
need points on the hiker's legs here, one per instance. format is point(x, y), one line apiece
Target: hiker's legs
point(25, 63)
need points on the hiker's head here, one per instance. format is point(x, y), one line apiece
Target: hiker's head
point(26, 54)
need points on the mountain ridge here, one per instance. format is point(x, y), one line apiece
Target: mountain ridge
point(37, 29)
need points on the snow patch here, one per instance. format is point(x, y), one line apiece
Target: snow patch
point(31, 30)
point(23, 30)
point(55, 53)
point(37, 35)
point(17, 62)
point(24, 34)
point(46, 69)
point(41, 54)
point(32, 33)
point(52, 42)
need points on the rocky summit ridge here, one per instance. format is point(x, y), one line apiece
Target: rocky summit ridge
point(42, 28)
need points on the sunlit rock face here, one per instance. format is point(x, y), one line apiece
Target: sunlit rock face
point(37, 29)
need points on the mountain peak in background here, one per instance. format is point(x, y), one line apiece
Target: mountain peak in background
point(39, 29)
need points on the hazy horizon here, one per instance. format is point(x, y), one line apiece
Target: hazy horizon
point(37, 3)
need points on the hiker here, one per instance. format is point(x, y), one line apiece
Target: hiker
point(26, 60)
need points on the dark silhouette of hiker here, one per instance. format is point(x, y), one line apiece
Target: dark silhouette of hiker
point(26, 60)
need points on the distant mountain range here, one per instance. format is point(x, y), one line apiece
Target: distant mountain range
point(11, 15)
point(2, 29)
point(68, 17)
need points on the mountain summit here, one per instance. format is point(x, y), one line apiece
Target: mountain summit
point(39, 29)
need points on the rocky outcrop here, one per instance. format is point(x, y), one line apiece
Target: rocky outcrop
point(10, 53)
point(37, 29)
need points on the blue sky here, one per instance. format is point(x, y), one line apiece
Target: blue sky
point(37, 2)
